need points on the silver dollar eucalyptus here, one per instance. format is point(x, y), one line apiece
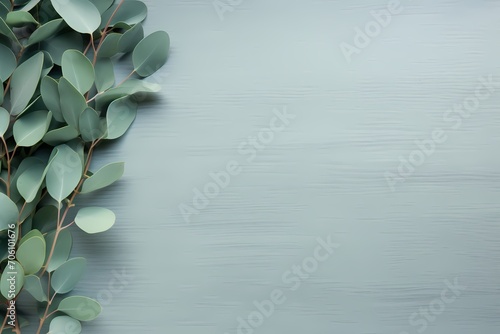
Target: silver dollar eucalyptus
point(58, 101)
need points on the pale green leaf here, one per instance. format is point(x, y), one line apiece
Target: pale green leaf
point(95, 220)
point(65, 278)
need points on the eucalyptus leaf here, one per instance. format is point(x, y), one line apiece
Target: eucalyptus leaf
point(33, 286)
point(121, 114)
point(104, 177)
point(4, 121)
point(65, 325)
point(20, 18)
point(9, 62)
point(6, 31)
point(95, 220)
point(81, 15)
point(72, 102)
point(128, 88)
point(31, 253)
point(78, 70)
point(104, 74)
point(30, 129)
point(9, 212)
point(90, 127)
point(62, 249)
point(65, 278)
point(64, 173)
point(80, 308)
point(46, 31)
point(131, 38)
point(24, 82)
point(58, 44)
point(30, 181)
point(60, 135)
point(151, 53)
point(12, 270)
point(130, 12)
point(49, 89)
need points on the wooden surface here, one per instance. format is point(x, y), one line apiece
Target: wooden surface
point(324, 174)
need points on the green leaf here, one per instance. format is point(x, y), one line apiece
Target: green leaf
point(151, 53)
point(130, 12)
point(72, 102)
point(24, 82)
point(61, 135)
point(30, 5)
point(45, 220)
point(62, 249)
point(65, 278)
point(33, 285)
point(129, 87)
point(31, 252)
point(30, 129)
point(20, 18)
point(102, 5)
point(4, 121)
point(30, 181)
point(46, 31)
point(109, 46)
point(9, 62)
point(81, 15)
point(90, 125)
point(80, 308)
point(6, 31)
point(50, 95)
point(78, 70)
point(64, 325)
point(95, 220)
point(57, 45)
point(131, 38)
point(9, 212)
point(104, 74)
point(4, 11)
point(104, 177)
point(15, 270)
point(121, 114)
point(64, 173)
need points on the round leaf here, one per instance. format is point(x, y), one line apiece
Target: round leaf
point(72, 102)
point(130, 12)
point(81, 15)
point(95, 220)
point(50, 96)
point(104, 177)
point(31, 253)
point(65, 278)
point(4, 121)
point(33, 285)
point(65, 325)
point(9, 212)
point(16, 271)
point(131, 38)
point(30, 181)
point(90, 125)
point(9, 62)
point(78, 70)
point(46, 31)
point(61, 251)
point(24, 82)
point(151, 53)
point(61, 135)
point(121, 114)
point(30, 129)
point(64, 173)
point(104, 74)
point(20, 18)
point(80, 308)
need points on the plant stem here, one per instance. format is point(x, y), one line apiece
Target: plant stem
point(105, 32)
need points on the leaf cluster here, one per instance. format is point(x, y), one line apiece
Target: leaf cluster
point(59, 100)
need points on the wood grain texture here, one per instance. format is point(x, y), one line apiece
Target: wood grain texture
point(323, 175)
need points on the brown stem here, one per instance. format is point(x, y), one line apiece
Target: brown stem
point(105, 32)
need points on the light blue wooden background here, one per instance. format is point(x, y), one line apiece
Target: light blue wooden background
point(323, 175)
